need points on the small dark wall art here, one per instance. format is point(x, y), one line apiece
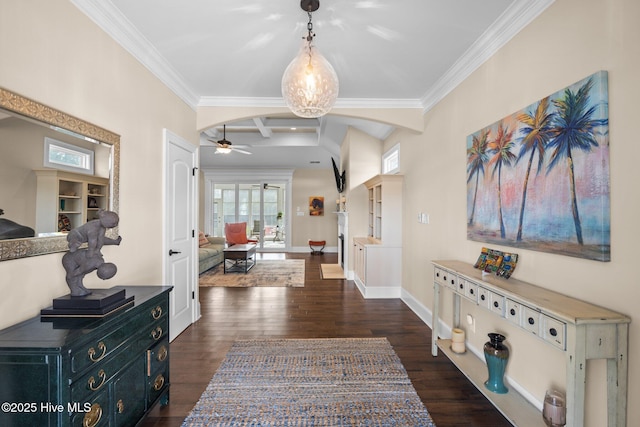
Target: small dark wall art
point(539, 178)
point(316, 205)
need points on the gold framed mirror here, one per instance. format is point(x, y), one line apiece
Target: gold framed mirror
point(16, 106)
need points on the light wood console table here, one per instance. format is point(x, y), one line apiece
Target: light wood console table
point(582, 330)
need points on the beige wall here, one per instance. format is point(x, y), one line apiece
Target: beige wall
point(54, 54)
point(307, 183)
point(569, 41)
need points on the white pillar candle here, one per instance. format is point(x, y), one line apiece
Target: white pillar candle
point(457, 340)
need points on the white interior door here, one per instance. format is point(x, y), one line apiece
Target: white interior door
point(180, 232)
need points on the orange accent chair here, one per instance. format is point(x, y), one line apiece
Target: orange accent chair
point(236, 234)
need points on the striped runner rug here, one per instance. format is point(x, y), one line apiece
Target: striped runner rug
point(310, 382)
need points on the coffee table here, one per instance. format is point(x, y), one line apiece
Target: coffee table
point(242, 256)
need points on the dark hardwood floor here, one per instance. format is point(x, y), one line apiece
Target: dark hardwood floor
point(321, 309)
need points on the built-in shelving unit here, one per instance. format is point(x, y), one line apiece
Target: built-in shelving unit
point(66, 196)
point(581, 330)
point(378, 257)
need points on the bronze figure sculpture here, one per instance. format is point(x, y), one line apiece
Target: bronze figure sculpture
point(78, 262)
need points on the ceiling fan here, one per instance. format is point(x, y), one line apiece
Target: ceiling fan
point(225, 147)
point(266, 186)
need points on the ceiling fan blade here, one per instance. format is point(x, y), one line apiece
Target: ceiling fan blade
point(218, 143)
point(240, 151)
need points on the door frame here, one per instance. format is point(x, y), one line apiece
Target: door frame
point(184, 144)
point(248, 176)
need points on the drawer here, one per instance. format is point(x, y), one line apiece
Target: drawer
point(153, 333)
point(471, 291)
point(554, 331)
point(531, 320)
point(496, 302)
point(445, 278)
point(156, 310)
point(157, 356)
point(100, 348)
point(98, 414)
point(484, 298)
point(157, 384)
point(461, 286)
point(514, 311)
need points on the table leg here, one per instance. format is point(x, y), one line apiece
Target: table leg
point(576, 375)
point(617, 379)
point(435, 319)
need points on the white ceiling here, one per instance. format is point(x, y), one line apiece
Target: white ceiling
point(386, 53)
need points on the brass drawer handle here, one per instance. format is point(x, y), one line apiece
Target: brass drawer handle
point(92, 418)
point(156, 333)
point(92, 381)
point(158, 383)
point(162, 354)
point(92, 352)
point(120, 406)
point(156, 312)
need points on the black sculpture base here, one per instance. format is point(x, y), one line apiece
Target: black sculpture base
point(101, 302)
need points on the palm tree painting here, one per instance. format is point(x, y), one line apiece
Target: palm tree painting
point(548, 189)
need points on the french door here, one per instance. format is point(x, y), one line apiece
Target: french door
point(261, 205)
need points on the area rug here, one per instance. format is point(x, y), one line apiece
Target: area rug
point(331, 271)
point(283, 272)
point(310, 382)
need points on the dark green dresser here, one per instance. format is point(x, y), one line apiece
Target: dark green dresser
point(107, 371)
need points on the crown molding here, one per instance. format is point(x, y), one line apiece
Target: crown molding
point(514, 19)
point(378, 103)
point(231, 101)
point(115, 24)
point(225, 101)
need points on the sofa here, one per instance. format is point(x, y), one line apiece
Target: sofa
point(210, 252)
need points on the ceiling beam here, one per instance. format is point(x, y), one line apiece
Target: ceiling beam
point(264, 131)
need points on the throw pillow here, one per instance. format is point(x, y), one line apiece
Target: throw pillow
point(202, 240)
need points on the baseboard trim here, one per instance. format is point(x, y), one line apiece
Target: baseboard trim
point(378, 292)
point(303, 249)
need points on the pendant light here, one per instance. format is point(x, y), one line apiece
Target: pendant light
point(309, 84)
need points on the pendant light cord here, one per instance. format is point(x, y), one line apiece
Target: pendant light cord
point(310, 35)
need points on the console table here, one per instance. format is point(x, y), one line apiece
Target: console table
point(582, 330)
point(106, 371)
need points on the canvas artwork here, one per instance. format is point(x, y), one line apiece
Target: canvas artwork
point(316, 206)
point(539, 178)
point(497, 262)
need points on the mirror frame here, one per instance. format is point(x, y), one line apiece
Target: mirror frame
point(25, 107)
